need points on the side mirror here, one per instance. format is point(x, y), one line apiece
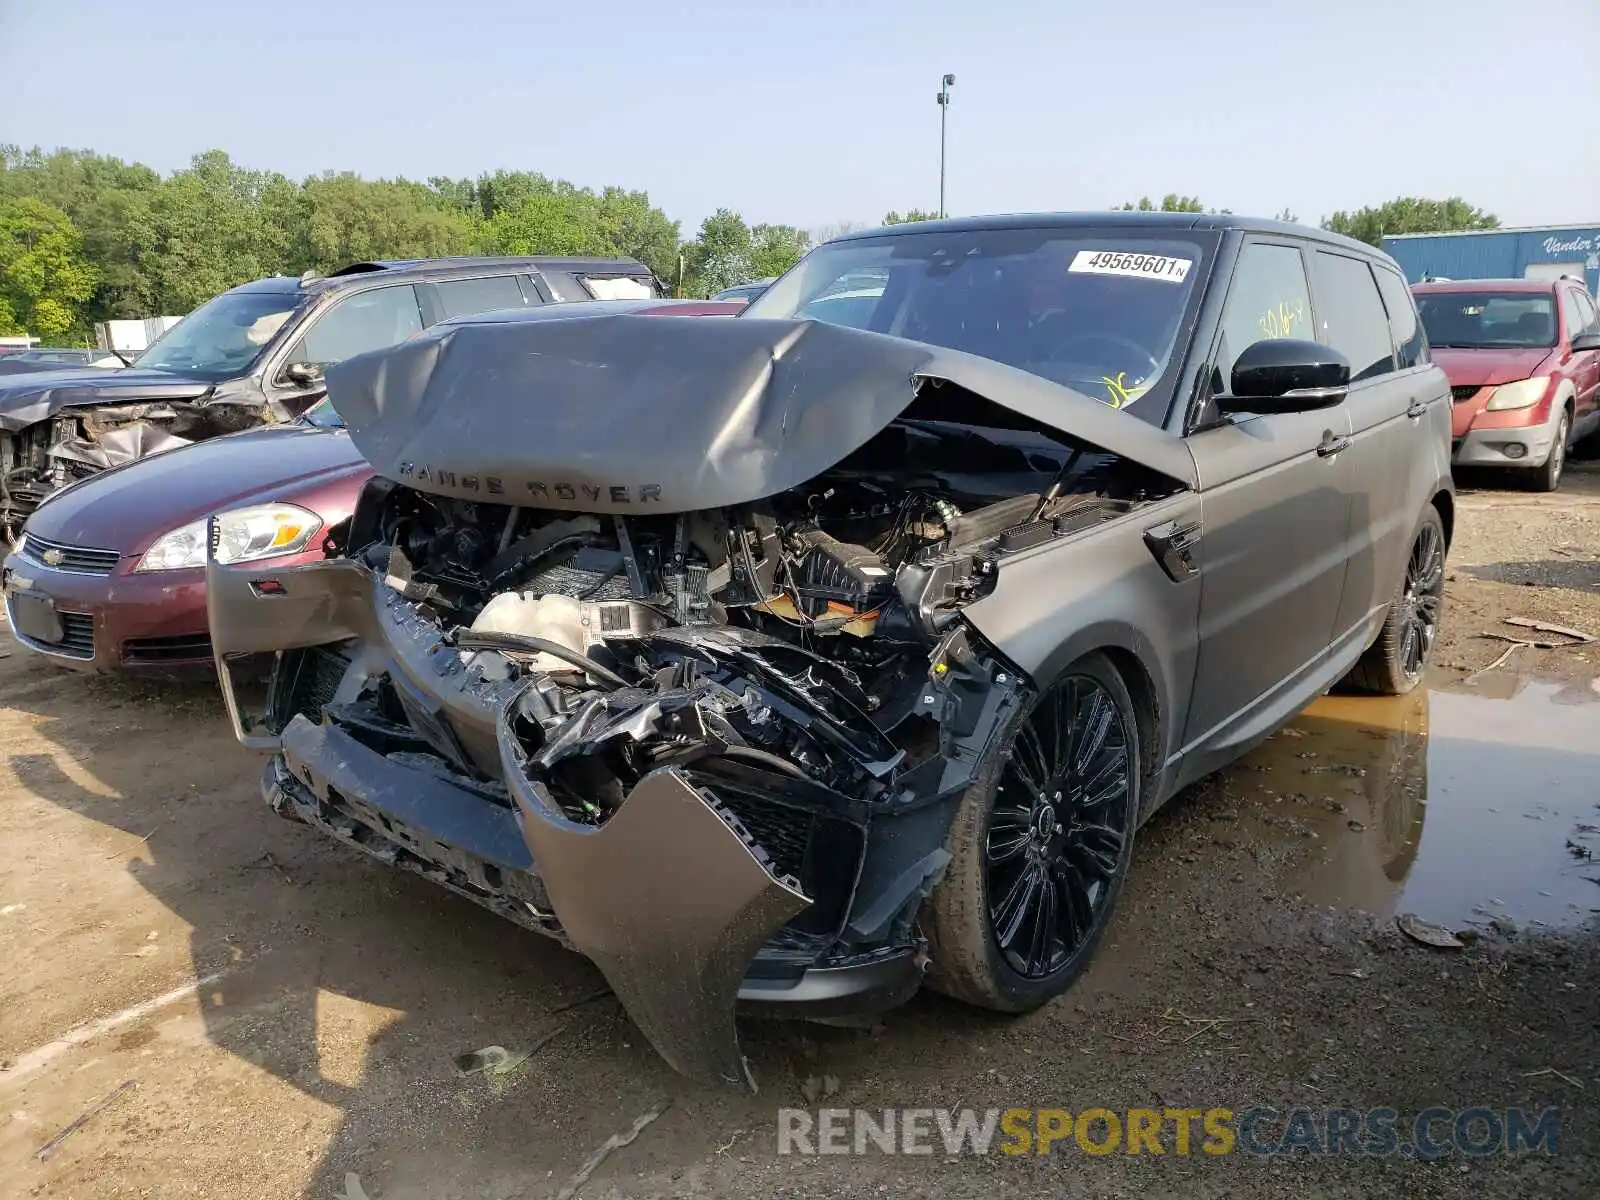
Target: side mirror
point(1589, 340)
point(1285, 375)
point(304, 374)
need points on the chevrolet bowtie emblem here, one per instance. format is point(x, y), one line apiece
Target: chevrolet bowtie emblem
point(53, 557)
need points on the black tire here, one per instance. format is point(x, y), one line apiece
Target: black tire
point(1548, 477)
point(1396, 662)
point(1077, 870)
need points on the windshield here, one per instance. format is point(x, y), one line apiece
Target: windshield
point(1489, 320)
point(223, 337)
point(1099, 313)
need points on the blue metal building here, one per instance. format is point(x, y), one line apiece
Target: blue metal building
point(1533, 253)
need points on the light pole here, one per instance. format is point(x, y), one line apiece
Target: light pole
point(944, 107)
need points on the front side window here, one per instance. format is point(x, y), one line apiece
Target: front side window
point(1350, 314)
point(1406, 331)
point(1268, 299)
point(1097, 312)
point(222, 338)
point(464, 297)
point(364, 321)
point(1472, 320)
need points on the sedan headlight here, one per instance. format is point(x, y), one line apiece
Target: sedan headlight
point(243, 535)
point(1524, 393)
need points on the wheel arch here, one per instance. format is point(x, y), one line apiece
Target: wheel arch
point(1445, 503)
point(1149, 685)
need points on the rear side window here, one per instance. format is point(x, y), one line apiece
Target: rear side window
point(1574, 315)
point(620, 287)
point(1350, 315)
point(1268, 299)
point(565, 287)
point(1586, 310)
point(1410, 346)
point(365, 321)
point(464, 297)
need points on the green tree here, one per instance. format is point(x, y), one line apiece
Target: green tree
point(207, 233)
point(1171, 202)
point(504, 190)
point(43, 276)
point(633, 227)
point(108, 201)
point(565, 222)
point(776, 248)
point(911, 215)
point(349, 219)
point(721, 256)
point(1409, 214)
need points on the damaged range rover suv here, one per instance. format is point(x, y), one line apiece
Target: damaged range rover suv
point(776, 663)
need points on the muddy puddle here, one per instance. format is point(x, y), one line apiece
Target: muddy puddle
point(1468, 803)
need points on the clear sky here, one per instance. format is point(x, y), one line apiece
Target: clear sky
point(822, 111)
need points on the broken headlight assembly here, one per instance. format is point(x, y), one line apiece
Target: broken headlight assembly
point(242, 535)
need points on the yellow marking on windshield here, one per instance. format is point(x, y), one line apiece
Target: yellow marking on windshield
point(1120, 392)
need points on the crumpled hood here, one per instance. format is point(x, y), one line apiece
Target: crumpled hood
point(626, 413)
point(128, 507)
point(1485, 368)
point(28, 399)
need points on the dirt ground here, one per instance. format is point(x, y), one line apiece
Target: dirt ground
point(288, 1016)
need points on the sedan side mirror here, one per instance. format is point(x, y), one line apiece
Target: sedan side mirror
point(1589, 340)
point(304, 374)
point(1286, 375)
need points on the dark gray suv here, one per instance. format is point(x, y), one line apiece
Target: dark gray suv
point(255, 354)
point(784, 661)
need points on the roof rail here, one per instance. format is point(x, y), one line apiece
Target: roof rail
point(358, 268)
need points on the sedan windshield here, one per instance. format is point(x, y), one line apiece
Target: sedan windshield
point(323, 415)
point(1489, 320)
point(1098, 313)
point(223, 337)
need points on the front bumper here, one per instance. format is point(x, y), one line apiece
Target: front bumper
point(1517, 449)
point(712, 884)
point(123, 621)
point(1519, 439)
point(681, 969)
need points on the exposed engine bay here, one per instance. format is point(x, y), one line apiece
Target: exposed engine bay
point(651, 640)
point(76, 442)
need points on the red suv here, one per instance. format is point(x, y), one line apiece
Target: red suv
point(1523, 357)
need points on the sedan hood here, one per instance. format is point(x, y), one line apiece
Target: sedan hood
point(127, 508)
point(1486, 368)
point(623, 413)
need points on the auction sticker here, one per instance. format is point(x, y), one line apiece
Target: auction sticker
point(1133, 265)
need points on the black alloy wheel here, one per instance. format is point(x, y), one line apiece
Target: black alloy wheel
point(1059, 824)
point(1398, 657)
point(1421, 598)
point(1040, 844)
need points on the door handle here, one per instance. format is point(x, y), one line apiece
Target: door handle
point(1332, 444)
point(1418, 409)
